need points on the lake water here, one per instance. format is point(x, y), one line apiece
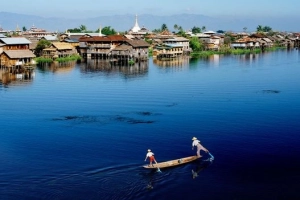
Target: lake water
point(82, 131)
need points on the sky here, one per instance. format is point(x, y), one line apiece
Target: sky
point(94, 8)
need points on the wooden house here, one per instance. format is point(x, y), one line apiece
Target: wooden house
point(16, 52)
point(245, 43)
point(140, 49)
point(121, 53)
point(59, 49)
point(167, 51)
point(99, 46)
point(179, 41)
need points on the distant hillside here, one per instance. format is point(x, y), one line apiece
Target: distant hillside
point(125, 22)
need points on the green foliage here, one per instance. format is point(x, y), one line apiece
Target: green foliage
point(74, 57)
point(196, 30)
point(220, 31)
point(107, 30)
point(150, 51)
point(164, 27)
point(156, 30)
point(244, 51)
point(225, 49)
point(149, 41)
point(24, 28)
point(131, 62)
point(81, 29)
point(261, 28)
point(41, 60)
point(196, 44)
point(42, 44)
point(202, 54)
point(74, 30)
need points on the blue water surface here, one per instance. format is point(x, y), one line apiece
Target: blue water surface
point(82, 131)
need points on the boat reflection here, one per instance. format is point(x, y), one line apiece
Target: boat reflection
point(57, 67)
point(137, 69)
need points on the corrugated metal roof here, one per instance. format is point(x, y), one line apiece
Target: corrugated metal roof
point(19, 54)
point(179, 39)
point(50, 38)
point(2, 36)
point(15, 40)
point(109, 38)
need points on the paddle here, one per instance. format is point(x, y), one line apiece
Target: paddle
point(211, 156)
point(158, 170)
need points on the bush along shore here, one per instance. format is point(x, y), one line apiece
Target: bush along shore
point(41, 60)
point(228, 51)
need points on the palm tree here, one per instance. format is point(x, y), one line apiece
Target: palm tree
point(175, 26)
point(164, 27)
point(259, 28)
point(203, 28)
point(82, 28)
point(245, 29)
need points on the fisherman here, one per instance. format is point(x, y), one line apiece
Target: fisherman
point(196, 143)
point(150, 154)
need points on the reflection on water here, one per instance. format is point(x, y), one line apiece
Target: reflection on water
point(57, 67)
point(104, 66)
point(248, 58)
point(173, 62)
point(8, 78)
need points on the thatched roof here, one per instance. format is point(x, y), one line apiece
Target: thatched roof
point(19, 54)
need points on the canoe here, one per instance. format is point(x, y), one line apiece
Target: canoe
point(171, 163)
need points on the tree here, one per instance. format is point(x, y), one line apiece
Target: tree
point(259, 28)
point(82, 28)
point(42, 44)
point(220, 31)
point(196, 44)
point(24, 28)
point(267, 29)
point(175, 26)
point(245, 29)
point(156, 30)
point(196, 30)
point(181, 32)
point(107, 30)
point(164, 27)
point(74, 30)
point(203, 28)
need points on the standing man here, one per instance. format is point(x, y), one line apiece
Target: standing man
point(196, 143)
point(150, 155)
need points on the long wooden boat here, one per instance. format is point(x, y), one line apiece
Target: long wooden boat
point(171, 163)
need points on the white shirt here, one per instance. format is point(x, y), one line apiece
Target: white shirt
point(149, 154)
point(195, 143)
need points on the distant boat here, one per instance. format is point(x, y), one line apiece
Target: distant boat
point(171, 163)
